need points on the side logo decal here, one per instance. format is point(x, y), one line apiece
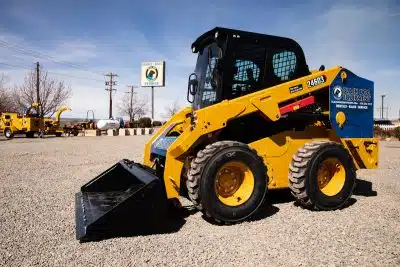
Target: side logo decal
point(337, 92)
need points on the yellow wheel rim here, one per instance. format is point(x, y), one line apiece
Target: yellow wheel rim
point(331, 176)
point(234, 183)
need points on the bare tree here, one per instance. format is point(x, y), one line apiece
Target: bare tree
point(3, 94)
point(6, 100)
point(53, 93)
point(171, 110)
point(138, 108)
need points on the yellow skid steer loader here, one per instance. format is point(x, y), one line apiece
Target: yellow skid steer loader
point(260, 120)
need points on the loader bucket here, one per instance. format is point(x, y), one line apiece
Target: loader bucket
point(127, 196)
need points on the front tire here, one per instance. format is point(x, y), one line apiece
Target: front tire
point(8, 133)
point(322, 175)
point(227, 181)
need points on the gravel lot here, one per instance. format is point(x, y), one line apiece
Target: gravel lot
point(39, 177)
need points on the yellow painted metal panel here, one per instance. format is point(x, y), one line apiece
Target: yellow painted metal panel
point(277, 151)
point(365, 151)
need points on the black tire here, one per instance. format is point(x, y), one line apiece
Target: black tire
point(58, 134)
point(303, 175)
point(8, 133)
point(30, 134)
point(202, 174)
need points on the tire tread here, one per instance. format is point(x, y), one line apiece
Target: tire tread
point(298, 167)
point(196, 168)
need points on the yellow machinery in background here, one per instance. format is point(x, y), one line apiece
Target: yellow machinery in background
point(88, 124)
point(260, 120)
point(53, 126)
point(30, 123)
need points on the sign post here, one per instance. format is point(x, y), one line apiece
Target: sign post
point(153, 75)
point(152, 102)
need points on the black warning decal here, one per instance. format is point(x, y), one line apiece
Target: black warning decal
point(296, 88)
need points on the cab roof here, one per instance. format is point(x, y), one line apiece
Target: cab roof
point(263, 39)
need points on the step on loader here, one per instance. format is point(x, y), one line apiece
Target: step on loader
point(259, 120)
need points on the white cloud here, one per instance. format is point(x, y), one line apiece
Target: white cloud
point(76, 51)
point(359, 39)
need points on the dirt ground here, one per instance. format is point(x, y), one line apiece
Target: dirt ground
point(39, 179)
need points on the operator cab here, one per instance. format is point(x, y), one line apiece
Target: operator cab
point(234, 63)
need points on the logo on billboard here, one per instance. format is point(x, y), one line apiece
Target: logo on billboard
point(337, 92)
point(151, 73)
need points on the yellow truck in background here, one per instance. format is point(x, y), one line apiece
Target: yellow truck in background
point(30, 123)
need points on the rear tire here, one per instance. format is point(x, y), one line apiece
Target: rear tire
point(8, 133)
point(322, 175)
point(207, 176)
point(30, 134)
point(58, 134)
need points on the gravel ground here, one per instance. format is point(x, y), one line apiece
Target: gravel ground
point(39, 177)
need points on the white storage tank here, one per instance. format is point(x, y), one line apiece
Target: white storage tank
point(108, 124)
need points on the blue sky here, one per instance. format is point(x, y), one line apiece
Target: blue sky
point(104, 36)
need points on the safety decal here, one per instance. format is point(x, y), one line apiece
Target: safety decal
point(296, 88)
point(316, 81)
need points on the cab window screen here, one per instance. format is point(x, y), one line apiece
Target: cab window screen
point(284, 64)
point(209, 94)
point(247, 74)
point(249, 61)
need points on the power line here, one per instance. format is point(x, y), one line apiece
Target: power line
point(26, 67)
point(16, 65)
point(36, 54)
point(73, 76)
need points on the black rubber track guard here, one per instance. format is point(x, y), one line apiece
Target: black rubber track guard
point(127, 198)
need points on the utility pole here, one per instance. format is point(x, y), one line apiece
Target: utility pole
point(131, 104)
point(37, 85)
point(152, 103)
point(110, 89)
point(387, 112)
point(382, 115)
